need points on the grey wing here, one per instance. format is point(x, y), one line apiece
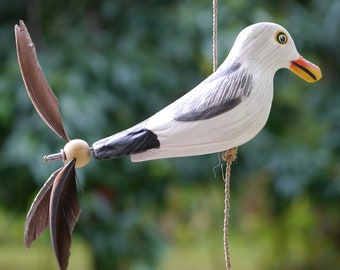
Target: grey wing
point(219, 93)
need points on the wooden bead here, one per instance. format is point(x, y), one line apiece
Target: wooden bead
point(79, 150)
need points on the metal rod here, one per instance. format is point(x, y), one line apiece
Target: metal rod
point(59, 156)
point(55, 157)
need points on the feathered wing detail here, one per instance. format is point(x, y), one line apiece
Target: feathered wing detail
point(64, 212)
point(38, 216)
point(38, 89)
point(230, 87)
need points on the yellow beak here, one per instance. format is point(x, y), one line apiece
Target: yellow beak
point(305, 70)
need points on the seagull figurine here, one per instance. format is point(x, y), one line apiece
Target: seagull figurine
point(226, 110)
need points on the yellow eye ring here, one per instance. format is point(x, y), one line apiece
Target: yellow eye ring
point(281, 37)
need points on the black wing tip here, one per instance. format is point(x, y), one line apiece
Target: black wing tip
point(131, 143)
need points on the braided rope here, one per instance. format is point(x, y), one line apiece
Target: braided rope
point(228, 156)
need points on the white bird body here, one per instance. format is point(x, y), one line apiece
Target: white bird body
point(216, 134)
point(227, 109)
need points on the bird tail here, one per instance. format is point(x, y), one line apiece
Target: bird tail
point(125, 143)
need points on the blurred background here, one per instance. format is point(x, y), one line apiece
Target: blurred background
point(114, 63)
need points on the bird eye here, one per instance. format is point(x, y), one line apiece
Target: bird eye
point(281, 37)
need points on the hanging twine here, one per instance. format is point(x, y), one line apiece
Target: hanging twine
point(228, 156)
point(214, 37)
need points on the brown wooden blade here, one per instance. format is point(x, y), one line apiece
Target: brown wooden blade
point(38, 216)
point(64, 212)
point(38, 89)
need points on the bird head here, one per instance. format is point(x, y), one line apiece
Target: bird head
point(269, 47)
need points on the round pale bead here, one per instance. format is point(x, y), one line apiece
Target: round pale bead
point(79, 150)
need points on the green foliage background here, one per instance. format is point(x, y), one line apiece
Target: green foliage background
point(114, 63)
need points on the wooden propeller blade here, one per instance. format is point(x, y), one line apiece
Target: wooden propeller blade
point(64, 212)
point(38, 216)
point(38, 89)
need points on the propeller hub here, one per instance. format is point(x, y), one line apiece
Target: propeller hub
point(79, 150)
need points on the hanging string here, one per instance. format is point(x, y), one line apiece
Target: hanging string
point(228, 156)
point(214, 37)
